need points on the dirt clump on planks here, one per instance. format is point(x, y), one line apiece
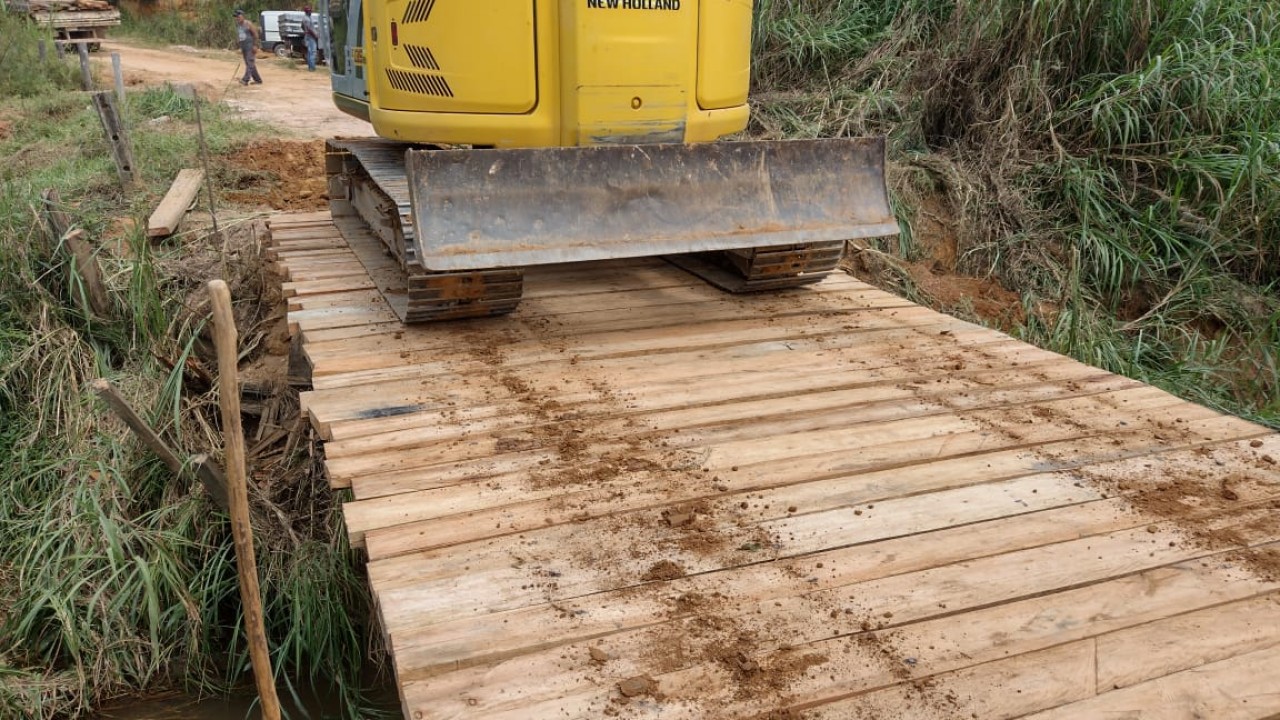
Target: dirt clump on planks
point(663, 570)
point(1218, 498)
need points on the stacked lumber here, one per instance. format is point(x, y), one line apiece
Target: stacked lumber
point(60, 5)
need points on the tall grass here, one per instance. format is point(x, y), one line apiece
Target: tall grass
point(115, 577)
point(1113, 160)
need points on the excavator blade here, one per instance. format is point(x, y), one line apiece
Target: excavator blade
point(480, 209)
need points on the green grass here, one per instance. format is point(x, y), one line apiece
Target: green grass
point(1113, 161)
point(116, 578)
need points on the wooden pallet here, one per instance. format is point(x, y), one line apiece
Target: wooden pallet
point(640, 497)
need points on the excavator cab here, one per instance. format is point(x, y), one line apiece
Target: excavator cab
point(526, 132)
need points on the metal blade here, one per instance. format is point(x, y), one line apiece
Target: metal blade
point(475, 209)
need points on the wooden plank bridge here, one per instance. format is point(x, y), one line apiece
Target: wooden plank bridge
point(638, 496)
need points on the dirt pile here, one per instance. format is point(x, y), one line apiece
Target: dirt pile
point(278, 174)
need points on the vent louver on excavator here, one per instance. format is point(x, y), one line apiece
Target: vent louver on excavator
point(418, 11)
point(421, 57)
point(419, 83)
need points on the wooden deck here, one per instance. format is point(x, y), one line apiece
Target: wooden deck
point(640, 497)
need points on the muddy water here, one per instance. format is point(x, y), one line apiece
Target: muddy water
point(240, 707)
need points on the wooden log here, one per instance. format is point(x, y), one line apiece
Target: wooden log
point(117, 136)
point(200, 466)
point(168, 214)
point(238, 496)
point(96, 297)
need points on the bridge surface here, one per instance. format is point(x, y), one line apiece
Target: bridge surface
point(640, 497)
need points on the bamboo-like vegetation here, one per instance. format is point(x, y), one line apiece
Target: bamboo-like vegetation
point(116, 577)
point(1113, 161)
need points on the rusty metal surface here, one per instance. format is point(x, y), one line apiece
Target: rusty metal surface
point(475, 209)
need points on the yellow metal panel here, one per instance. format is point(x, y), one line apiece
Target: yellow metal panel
point(724, 53)
point(457, 56)
point(615, 52)
point(612, 115)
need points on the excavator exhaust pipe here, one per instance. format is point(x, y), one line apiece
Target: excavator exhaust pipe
point(789, 203)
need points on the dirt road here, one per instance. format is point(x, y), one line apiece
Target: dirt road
point(290, 97)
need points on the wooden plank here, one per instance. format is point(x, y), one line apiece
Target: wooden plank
point(824, 519)
point(945, 619)
point(1073, 672)
point(443, 529)
point(1242, 687)
point(168, 214)
point(725, 397)
point(674, 380)
point(815, 452)
point(346, 283)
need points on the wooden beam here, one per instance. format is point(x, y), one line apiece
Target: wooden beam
point(168, 214)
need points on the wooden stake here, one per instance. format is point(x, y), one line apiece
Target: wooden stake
point(204, 159)
point(86, 78)
point(206, 471)
point(118, 74)
point(225, 338)
point(40, 48)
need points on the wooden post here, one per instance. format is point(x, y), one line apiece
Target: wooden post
point(208, 473)
point(96, 297)
point(118, 74)
point(204, 159)
point(224, 328)
point(40, 48)
point(86, 78)
point(113, 126)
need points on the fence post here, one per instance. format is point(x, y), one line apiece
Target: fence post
point(117, 136)
point(86, 78)
point(119, 78)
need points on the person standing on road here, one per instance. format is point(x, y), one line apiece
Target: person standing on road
point(310, 37)
point(247, 35)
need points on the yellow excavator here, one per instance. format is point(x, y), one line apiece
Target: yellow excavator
point(514, 133)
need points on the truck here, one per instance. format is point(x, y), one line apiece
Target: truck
point(71, 20)
point(282, 34)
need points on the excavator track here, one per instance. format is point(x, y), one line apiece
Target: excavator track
point(367, 180)
point(764, 268)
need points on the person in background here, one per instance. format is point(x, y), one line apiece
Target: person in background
point(309, 36)
point(247, 35)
